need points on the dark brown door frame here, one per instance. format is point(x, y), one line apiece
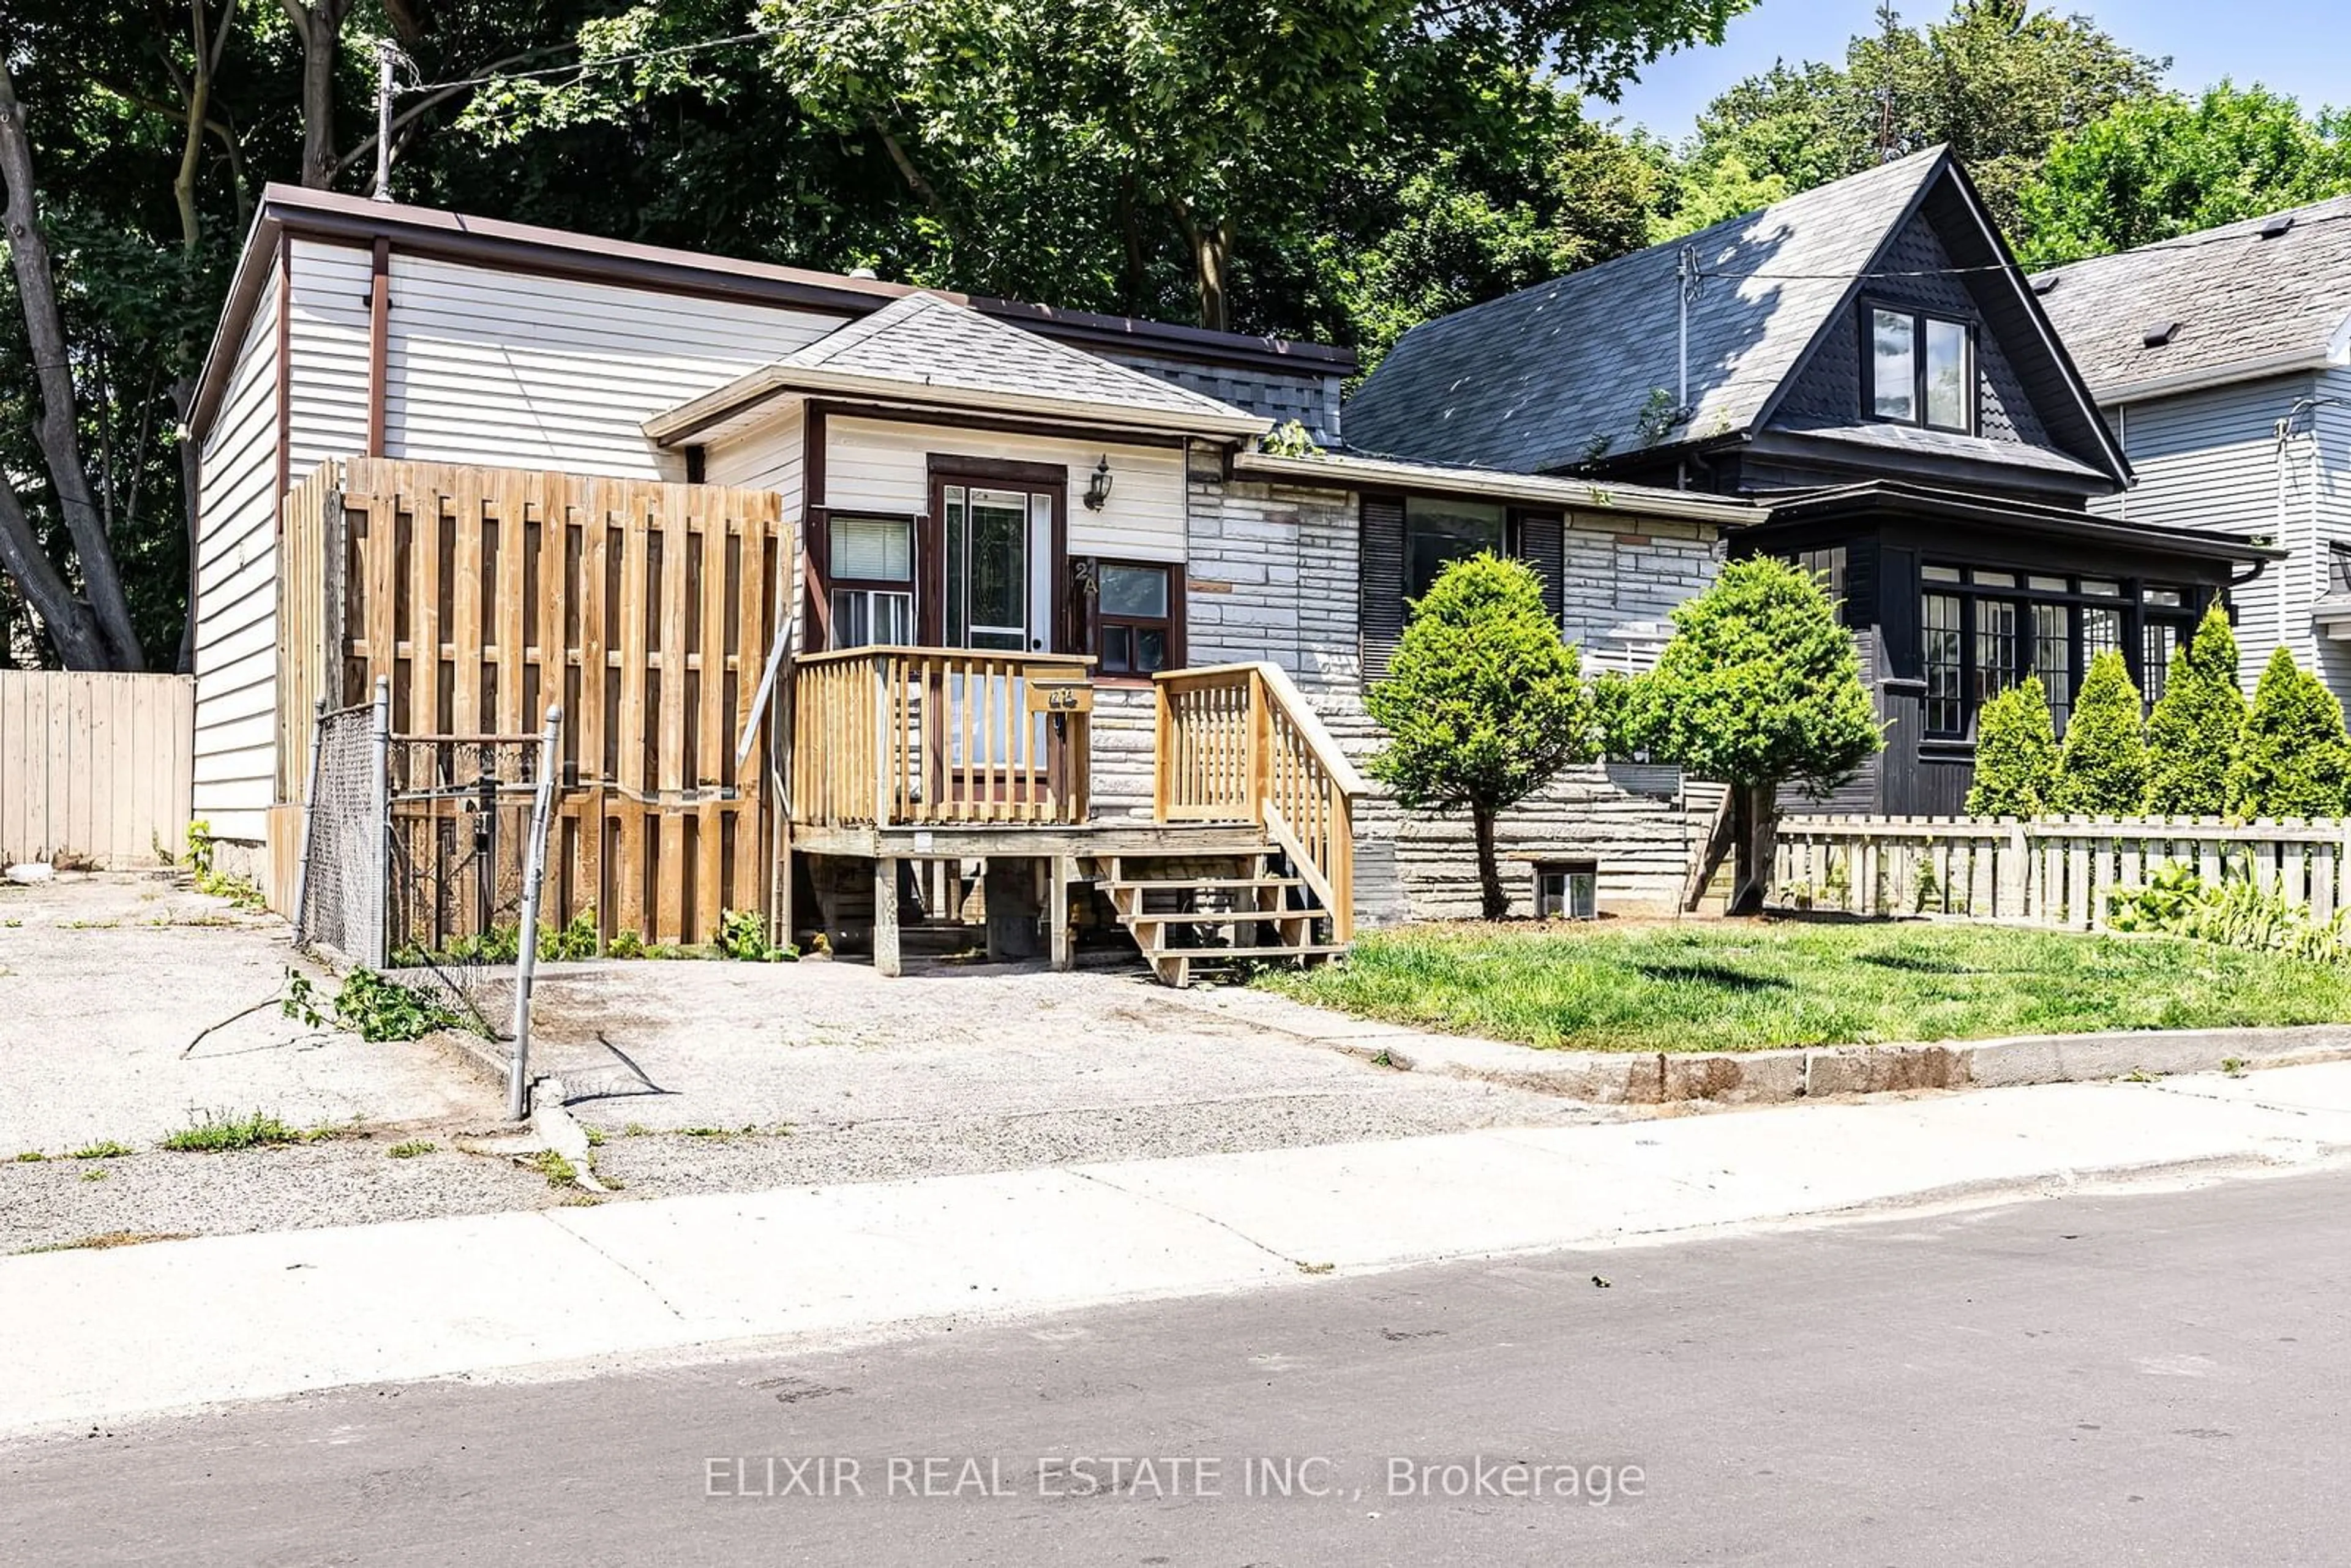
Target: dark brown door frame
point(1050, 479)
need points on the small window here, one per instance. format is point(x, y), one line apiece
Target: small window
point(1134, 631)
point(2169, 597)
point(1439, 533)
point(1826, 567)
point(1992, 579)
point(1567, 890)
point(2102, 588)
point(1940, 573)
point(1947, 376)
point(2052, 657)
point(2048, 584)
point(1921, 370)
point(870, 564)
point(1893, 365)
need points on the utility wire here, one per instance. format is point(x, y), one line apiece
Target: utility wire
point(666, 52)
point(2235, 234)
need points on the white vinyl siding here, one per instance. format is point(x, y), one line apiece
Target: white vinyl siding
point(521, 370)
point(327, 338)
point(879, 465)
point(2212, 460)
point(236, 590)
point(766, 458)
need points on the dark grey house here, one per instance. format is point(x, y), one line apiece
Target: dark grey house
point(1866, 363)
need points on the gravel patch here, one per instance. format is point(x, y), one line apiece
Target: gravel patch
point(105, 979)
point(342, 1181)
point(659, 1163)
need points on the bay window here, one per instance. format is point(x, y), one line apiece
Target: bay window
point(1982, 630)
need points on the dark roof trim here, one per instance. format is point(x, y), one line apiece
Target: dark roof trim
point(1949, 167)
point(2052, 522)
point(1931, 468)
point(336, 218)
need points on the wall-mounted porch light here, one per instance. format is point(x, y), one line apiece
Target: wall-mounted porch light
point(1098, 487)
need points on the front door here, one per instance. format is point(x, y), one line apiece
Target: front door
point(999, 568)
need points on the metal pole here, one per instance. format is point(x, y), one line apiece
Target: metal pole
point(309, 816)
point(526, 949)
point(380, 744)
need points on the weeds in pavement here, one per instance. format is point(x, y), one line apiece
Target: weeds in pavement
point(382, 1009)
point(559, 1171)
point(410, 1149)
point(218, 1131)
point(2234, 1066)
point(96, 1173)
point(104, 1149)
point(30, 1157)
point(595, 1136)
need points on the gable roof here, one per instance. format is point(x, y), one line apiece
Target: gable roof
point(1539, 379)
point(1563, 375)
point(2243, 305)
point(927, 348)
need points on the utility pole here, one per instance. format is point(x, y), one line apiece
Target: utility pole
point(386, 55)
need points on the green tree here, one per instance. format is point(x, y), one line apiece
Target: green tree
point(2016, 754)
point(1483, 704)
point(2193, 733)
point(2154, 168)
point(1759, 688)
point(2102, 767)
point(1998, 80)
point(2294, 761)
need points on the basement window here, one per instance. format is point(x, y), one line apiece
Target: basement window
point(1567, 890)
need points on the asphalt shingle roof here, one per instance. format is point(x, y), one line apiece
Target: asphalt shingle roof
point(925, 340)
point(2237, 299)
point(1540, 379)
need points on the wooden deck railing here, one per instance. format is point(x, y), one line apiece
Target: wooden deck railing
point(890, 737)
point(1237, 743)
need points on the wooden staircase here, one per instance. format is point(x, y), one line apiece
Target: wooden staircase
point(1192, 915)
point(1238, 751)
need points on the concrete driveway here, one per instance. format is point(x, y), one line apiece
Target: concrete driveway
point(106, 979)
point(707, 1075)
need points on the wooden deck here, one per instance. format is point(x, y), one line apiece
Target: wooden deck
point(934, 755)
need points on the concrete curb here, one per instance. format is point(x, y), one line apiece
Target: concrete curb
point(1777, 1077)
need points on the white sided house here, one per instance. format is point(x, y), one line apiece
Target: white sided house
point(982, 501)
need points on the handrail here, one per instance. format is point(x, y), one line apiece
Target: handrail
point(1240, 743)
point(888, 737)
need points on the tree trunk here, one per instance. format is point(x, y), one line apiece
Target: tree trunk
point(1755, 818)
point(183, 399)
point(319, 27)
point(55, 429)
point(1495, 902)
point(1211, 244)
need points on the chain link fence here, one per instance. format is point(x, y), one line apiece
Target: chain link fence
point(424, 856)
point(467, 840)
point(338, 902)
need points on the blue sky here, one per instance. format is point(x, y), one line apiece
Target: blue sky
point(2292, 46)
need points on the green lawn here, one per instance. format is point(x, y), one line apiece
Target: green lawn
point(1752, 985)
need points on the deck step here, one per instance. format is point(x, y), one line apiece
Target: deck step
point(1199, 955)
point(1200, 883)
point(1219, 917)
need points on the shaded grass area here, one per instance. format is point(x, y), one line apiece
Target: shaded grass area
point(1743, 985)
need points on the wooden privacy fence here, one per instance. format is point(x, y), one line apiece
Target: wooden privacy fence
point(2045, 871)
point(95, 767)
point(887, 737)
point(485, 594)
point(1238, 743)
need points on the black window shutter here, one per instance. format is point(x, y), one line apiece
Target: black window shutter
point(1381, 576)
point(1543, 545)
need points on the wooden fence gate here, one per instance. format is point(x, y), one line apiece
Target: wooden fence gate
point(485, 595)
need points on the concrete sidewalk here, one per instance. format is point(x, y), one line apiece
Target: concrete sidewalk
point(93, 1335)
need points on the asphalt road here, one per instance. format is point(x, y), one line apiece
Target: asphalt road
point(2161, 1378)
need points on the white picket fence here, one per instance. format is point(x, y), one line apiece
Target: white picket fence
point(2045, 871)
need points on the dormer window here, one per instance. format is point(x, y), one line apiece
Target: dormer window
point(1920, 369)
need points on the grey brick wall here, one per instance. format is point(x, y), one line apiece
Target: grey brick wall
point(1273, 575)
